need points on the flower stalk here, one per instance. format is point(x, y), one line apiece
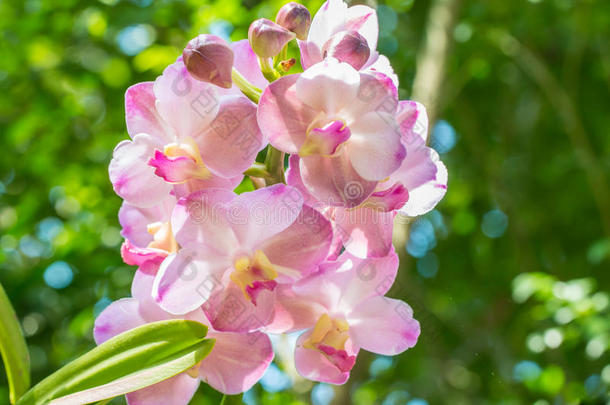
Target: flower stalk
point(249, 90)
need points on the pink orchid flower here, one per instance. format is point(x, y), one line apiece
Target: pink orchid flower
point(413, 189)
point(147, 232)
point(335, 18)
point(236, 250)
point(183, 133)
point(219, 369)
point(342, 125)
point(346, 302)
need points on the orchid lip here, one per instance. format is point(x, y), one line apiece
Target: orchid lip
point(253, 275)
point(329, 336)
point(326, 139)
point(179, 162)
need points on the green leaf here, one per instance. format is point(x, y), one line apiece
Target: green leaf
point(232, 399)
point(130, 361)
point(14, 350)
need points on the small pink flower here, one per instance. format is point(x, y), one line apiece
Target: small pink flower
point(334, 20)
point(346, 299)
point(413, 189)
point(183, 133)
point(237, 251)
point(342, 125)
point(219, 369)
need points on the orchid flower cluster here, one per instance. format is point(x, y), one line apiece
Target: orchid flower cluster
point(309, 250)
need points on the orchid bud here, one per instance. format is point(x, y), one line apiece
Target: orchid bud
point(349, 47)
point(267, 38)
point(296, 18)
point(209, 58)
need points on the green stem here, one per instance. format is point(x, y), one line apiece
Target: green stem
point(231, 399)
point(275, 166)
point(249, 90)
point(268, 71)
point(283, 55)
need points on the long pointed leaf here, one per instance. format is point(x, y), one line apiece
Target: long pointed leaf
point(138, 380)
point(13, 349)
point(168, 347)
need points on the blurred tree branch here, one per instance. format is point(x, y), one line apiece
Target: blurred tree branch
point(568, 114)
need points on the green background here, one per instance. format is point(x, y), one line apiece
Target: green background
point(509, 276)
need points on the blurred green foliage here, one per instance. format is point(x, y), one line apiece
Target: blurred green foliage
point(509, 277)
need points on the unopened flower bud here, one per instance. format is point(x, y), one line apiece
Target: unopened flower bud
point(296, 18)
point(349, 47)
point(209, 58)
point(268, 38)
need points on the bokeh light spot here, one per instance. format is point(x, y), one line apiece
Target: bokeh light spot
point(494, 223)
point(443, 137)
point(135, 38)
point(275, 380)
point(322, 394)
point(58, 275)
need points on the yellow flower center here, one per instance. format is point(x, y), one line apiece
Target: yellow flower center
point(252, 274)
point(163, 237)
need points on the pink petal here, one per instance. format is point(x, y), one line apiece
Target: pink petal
point(366, 232)
point(141, 114)
point(184, 282)
point(185, 103)
point(363, 20)
point(293, 179)
point(230, 144)
point(334, 181)
point(178, 390)
point(116, 318)
point(310, 53)
point(137, 256)
point(282, 117)
point(328, 86)
point(293, 312)
point(237, 361)
point(314, 365)
point(424, 197)
point(131, 176)
point(302, 246)
point(200, 221)
point(230, 311)
point(258, 215)
point(193, 185)
point(370, 277)
point(389, 199)
point(383, 325)
point(376, 93)
point(342, 285)
point(142, 286)
point(413, 121)
point(329, 19)
point(381, 64)
point(375, 149)
point(135, 220)
point(246, 63)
